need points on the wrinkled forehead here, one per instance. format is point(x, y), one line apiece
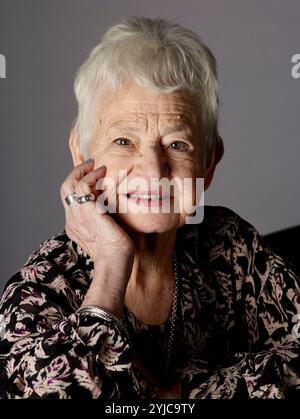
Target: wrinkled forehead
point(145, 118)
point(141, 106)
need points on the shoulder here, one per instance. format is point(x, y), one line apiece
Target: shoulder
point(48, 249)
point(57, 268)
point(226, 241)
point(231, 244)
point(60, 251)
point(222, 220)
point(222, 225)
point(234, 236)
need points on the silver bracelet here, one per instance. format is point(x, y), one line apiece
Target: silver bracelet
point(104, 315)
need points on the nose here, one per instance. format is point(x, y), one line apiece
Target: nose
point(152, 163)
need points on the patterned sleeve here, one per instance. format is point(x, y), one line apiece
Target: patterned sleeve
point(267, 308)
point(49, 351)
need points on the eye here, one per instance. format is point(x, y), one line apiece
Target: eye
point(122, 141)
point(179, 146)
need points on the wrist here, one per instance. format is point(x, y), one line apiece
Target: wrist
point(120, 266)
point(109, 304)
point(107, 289)
point(96, 311)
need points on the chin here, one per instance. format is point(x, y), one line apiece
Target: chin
point(150, 223)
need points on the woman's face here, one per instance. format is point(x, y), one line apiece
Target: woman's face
point(149, 135)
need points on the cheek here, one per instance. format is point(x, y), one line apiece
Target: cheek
point(116, 173)
point(192, 187)
point(188, 169)
point(112, 163)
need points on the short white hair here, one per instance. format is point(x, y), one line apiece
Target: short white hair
point(154, 53)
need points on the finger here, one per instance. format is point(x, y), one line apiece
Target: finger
point(79, 217)
point(85, 210)
point(87, 184)
point(76, 174)
point(68, 186)
point(85, 187)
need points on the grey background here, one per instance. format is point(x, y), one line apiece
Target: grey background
point(45, 42)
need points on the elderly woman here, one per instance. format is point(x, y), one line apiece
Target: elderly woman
point(146, 303)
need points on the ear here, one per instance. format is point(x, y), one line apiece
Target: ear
point(215, 156)
point(75, 152)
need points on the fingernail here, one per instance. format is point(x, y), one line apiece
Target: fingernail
point(100, 167)
point(89, 161)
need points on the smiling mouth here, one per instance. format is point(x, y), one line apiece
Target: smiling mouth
point(147, 197)
point(148, 200)
point(143, 196)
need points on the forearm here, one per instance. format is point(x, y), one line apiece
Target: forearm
point(108, 287)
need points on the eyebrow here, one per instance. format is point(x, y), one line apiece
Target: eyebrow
point(174, 127)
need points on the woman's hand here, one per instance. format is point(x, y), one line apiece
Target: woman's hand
point(100, 236)
point(97, 234)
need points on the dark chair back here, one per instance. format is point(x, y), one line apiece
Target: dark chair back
point(286, 244)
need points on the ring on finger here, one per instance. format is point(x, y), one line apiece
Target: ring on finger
point(86, 198)
point(71, 198)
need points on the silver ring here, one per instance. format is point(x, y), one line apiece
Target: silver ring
point(86, 198)
point(72, 197)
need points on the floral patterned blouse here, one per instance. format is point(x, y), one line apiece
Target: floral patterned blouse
point(236, 333)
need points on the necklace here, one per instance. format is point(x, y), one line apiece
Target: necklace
point(173, 317)
point(172, 323)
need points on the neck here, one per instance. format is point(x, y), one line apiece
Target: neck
point(153, 259)
point(149, 293)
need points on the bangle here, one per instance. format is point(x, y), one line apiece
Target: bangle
point(104, 315)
